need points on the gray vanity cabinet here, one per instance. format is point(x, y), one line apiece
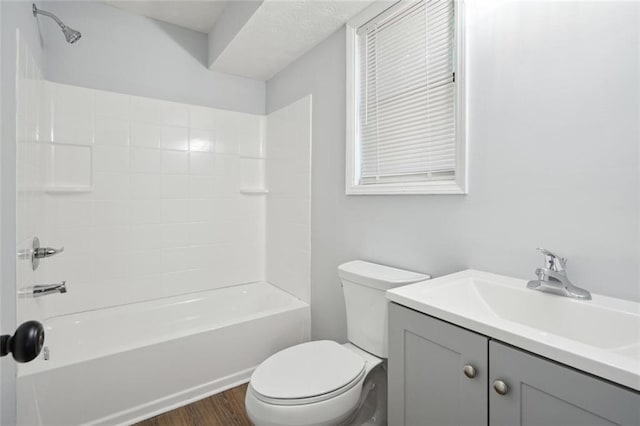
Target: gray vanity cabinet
point(542, 392)
point(428, 384)
point(427, 381)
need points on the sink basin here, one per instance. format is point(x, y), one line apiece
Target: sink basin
point(600, 336)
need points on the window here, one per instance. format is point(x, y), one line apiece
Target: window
point(405, 100)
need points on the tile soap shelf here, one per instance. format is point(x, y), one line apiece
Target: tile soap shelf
point(254, 191)
point(61, 189)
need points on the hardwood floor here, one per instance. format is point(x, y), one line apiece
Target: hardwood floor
point(223, 409)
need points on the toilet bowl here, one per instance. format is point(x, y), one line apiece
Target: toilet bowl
point(315, 383)
point(324, 382)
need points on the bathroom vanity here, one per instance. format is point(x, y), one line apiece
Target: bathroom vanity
point(462, 351)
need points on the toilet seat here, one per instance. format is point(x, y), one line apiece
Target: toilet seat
point(307, 373)
point(327, 408)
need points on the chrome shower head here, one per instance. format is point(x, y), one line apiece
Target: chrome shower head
point(69, 33)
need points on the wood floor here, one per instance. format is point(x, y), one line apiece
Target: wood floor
point(223, 409)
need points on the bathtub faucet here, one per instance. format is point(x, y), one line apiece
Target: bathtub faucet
point(43, 290)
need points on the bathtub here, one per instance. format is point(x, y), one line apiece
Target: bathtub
point(126, 363)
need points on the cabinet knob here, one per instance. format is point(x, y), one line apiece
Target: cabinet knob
point(469, 371)
point(500, 387)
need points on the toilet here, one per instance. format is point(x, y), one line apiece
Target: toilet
point(327, 383)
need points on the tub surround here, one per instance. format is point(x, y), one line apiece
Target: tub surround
point(178, 198)
point(145, 197)
point(288, 180)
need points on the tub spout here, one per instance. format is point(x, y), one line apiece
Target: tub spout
point(43, 290)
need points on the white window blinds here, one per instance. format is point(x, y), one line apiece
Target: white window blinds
point(406, 102)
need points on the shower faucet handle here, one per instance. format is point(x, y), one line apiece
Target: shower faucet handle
point(38, 252)
point(42, 252)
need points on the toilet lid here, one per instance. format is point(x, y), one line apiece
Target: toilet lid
point(307, 370)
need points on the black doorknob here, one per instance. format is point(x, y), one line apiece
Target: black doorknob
point(25, 344)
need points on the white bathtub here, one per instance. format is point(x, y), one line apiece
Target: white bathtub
point(126, 363)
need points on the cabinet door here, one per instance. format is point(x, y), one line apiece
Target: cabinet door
point(544, 393)
point(427, 384)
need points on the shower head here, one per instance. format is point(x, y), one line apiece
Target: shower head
point(69, 33)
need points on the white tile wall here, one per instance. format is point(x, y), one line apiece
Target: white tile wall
point(145, 196)
point(288, 171)
point(161, 213)
point(29, 173)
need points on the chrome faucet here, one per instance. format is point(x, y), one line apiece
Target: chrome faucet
point(553, 278)
point(43, 290)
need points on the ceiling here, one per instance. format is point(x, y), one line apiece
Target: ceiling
point(196, 15)
point(264, 41)
point(279, 32)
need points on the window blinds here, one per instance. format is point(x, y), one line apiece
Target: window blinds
point(406, 102)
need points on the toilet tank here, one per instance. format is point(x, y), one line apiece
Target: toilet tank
point(364, 285)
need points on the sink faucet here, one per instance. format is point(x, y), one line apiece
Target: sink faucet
point(553, 278)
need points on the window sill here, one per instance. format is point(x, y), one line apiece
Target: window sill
point(418, 188)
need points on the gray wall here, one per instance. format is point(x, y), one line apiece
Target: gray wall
point(554, 108)
point(14, 15)
point(135, 55)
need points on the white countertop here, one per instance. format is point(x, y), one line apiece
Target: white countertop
point(600, 336)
